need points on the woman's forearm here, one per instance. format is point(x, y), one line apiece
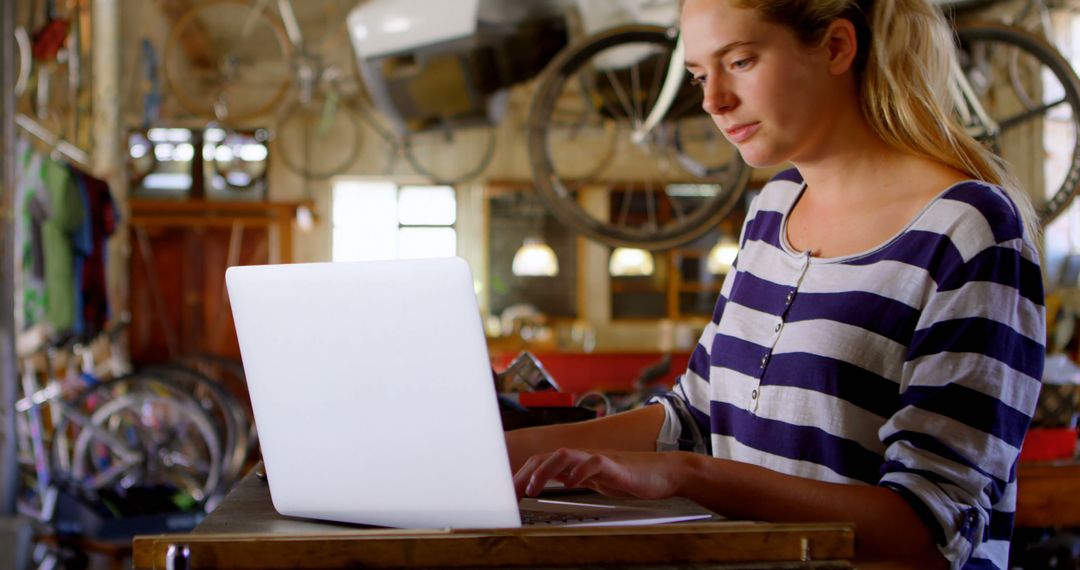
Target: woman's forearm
point(887, 528)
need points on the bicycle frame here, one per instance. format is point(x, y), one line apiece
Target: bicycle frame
point(670, 88)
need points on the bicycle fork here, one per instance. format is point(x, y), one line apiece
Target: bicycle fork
point(672, 82)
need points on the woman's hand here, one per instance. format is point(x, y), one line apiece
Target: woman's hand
point(643, 475)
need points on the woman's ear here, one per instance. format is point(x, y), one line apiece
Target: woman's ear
point(842, 45)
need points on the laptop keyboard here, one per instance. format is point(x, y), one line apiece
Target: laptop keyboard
point(531, 517)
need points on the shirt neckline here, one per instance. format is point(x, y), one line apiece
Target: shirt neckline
point(790, 250)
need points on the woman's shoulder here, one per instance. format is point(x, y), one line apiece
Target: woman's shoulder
point(978, 211)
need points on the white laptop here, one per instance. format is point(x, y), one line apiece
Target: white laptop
point(374, 399)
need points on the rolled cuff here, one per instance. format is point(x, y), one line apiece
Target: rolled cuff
point(957, 527)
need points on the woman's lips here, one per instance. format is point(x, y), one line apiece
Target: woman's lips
point(739, 133)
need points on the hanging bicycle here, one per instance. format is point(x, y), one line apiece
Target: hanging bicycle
point(613, 80)
point(220, 73)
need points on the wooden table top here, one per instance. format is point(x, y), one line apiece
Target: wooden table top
point(245, 532)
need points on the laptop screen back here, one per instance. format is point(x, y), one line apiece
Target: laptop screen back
point(372, 393)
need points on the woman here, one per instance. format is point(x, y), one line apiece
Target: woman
point(875, 355)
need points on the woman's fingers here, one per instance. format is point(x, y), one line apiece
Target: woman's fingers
point(540, 469)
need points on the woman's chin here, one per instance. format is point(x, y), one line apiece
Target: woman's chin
point(760, 160)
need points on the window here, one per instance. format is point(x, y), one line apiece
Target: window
point(381, 220)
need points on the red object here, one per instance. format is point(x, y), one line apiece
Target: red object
point(577, 372)
point(1045, 444)
point(545, 399)
point(49, 40)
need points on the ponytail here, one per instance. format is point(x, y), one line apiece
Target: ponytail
point(906, 97)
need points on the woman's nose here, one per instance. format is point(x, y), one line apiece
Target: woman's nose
point(718, 98)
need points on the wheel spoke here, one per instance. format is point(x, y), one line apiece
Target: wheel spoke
point(1017, 120)
point(635, 86)
point(620, 94)
point(676, 207)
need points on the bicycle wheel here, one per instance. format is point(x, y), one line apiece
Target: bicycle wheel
point(1033, 97)
point(230, 418)
point(219, 72)
point(320, 138)
point(652, 201)
point(136, 431)
point(473, 148)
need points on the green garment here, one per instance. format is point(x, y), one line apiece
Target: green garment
point(65, 216)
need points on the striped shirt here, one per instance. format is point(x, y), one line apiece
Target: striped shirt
point(914, 366)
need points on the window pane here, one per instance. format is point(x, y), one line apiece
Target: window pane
point(365, 221)
point(427, 242)
point(427, 206)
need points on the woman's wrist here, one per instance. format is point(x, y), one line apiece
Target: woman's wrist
point(688, 470)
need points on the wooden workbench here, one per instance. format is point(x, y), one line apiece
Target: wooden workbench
point(1048, 494)
point(246, 533)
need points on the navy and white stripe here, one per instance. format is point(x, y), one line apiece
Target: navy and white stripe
point(914, 366)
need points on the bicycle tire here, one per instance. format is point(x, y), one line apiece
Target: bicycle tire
point(190, 90)
point(336, 157)
point(692, 216)
point(1058, 195)
point(446, 168)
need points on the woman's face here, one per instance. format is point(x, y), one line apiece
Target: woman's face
point(772, 96)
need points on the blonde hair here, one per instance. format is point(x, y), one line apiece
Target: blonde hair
point(906, 49)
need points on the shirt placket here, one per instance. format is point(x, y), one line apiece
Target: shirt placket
point(778, 327)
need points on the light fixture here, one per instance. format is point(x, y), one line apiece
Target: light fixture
point(722, 256)
point(535, 259)
point(630, 262)
point(305, 219)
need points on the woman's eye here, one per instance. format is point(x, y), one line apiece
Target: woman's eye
point(698, 81)
point(742, 63)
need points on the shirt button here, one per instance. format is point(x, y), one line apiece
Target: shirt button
point(790, 296)
point(777, 329)
point(764, 359)
point(753, 394)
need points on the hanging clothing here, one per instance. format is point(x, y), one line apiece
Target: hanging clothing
point(91, 247)
point(33, 206)
point(57, 235)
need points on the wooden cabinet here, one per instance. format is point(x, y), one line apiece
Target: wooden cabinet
point(179, 253)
